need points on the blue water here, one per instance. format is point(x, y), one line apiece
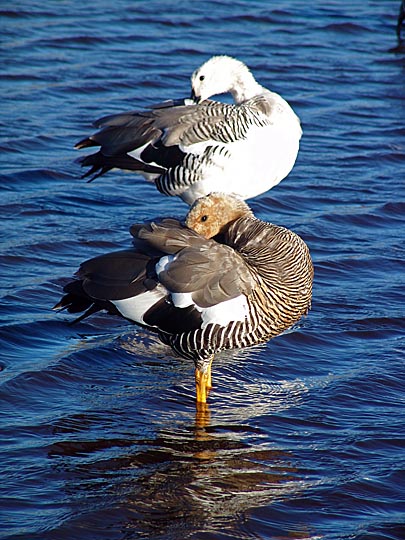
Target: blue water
point(304, 436)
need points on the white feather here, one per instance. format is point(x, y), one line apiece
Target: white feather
point(135, 307)
point(223, 313)
point(163, 263)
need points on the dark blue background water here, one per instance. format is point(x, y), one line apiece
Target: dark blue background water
point(304, 437)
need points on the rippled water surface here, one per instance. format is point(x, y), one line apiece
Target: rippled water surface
point(303, 437)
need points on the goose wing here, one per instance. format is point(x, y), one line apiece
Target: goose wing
point(209, 272)
point(171, 268)
point(177, 125)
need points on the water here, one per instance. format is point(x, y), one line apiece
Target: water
point(303, 437)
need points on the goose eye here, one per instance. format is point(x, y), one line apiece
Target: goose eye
point(202, 77)
point(204, 218)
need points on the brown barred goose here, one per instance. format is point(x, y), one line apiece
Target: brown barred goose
point(192, 148)
point(223, 280)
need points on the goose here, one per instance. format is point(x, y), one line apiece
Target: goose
point(224, 279)
point(190, 148)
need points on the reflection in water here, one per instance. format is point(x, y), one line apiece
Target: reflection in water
point(206, 481)
point(190, 480)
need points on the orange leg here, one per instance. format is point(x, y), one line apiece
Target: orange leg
point(203, 382)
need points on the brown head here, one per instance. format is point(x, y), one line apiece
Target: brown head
point(212, 214)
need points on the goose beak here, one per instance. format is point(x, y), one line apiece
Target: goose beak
point(203, 382)
point(195, 98)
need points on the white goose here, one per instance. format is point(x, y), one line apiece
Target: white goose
point(225, 280)
point(192, 148)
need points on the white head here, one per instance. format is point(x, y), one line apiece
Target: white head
point(221, 74)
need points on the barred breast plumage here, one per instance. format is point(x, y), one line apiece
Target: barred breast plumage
point(191, 148)
point(224, 280)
